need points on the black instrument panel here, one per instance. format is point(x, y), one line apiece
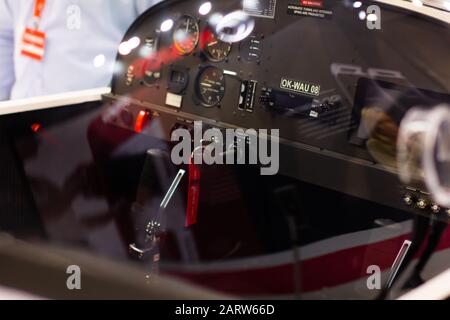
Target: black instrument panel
point(292, 72)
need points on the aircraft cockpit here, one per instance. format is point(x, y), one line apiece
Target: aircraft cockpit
point(255, 148)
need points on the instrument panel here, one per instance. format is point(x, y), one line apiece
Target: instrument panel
point(301, 69)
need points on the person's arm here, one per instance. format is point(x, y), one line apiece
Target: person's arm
point(143, 5)
point(6, 50)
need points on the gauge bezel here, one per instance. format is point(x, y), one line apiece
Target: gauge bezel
point(180, 51)
point(198, 96)
point(205, 47)
point(175, 87)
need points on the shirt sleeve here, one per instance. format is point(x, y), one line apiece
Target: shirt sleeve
point(6, 50)
point(143, 5)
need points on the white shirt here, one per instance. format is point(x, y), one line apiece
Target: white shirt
point(81, 46)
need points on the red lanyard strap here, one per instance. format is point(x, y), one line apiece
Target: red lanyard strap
point(38, 7)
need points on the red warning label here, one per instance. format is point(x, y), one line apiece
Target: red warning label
point(312, 3)
point(309, 11)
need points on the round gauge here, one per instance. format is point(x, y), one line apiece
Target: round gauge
point(211, 86)
point(216, 50)
point(186, 35)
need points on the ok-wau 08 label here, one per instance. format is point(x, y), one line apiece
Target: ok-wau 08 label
point(300, 87)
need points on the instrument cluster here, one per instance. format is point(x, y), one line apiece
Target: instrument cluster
point(183, 55)
point(310, 72)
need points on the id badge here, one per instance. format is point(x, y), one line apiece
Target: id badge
point(33, 44)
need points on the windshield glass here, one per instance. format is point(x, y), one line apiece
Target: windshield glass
point(263, 148)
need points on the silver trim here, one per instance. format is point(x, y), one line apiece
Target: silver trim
point(425, 10)
point(52, 101)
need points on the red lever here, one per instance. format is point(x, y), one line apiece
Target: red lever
point(141, 121)
point(193, 195)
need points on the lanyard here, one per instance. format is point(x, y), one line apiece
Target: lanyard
point(38, 7)
point(37, 12)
